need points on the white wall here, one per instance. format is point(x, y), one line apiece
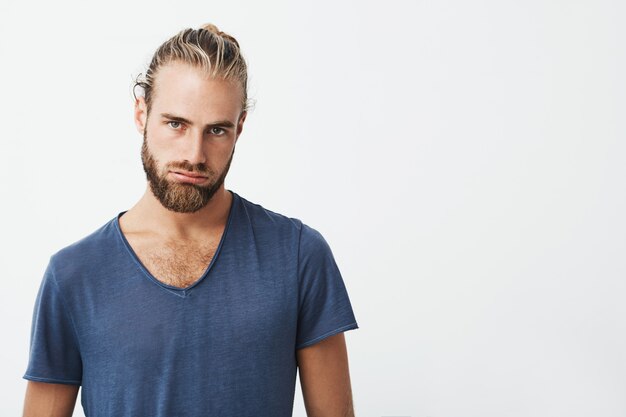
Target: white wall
point(465, 161)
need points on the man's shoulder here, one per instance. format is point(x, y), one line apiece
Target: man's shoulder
point(262, 217)
point(85, 250)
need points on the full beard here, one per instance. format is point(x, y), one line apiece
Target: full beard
point(181, 197)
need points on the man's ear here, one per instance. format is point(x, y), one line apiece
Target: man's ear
point(242, 118)
point(140, 114)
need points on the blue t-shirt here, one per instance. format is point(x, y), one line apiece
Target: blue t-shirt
point(225, 346)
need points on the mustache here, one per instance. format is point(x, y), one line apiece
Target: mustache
point(200, 170)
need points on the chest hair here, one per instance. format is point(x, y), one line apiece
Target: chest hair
point(174, 263)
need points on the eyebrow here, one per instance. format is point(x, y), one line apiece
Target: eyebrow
point(219, 123)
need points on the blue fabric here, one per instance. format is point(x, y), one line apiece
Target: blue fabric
point(226, 346)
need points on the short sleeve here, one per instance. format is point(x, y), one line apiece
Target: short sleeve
point(54, 354)
point(324, 305)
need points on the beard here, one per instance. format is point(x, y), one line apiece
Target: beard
point(177, 196)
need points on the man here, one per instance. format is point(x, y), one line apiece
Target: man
point(195, 302)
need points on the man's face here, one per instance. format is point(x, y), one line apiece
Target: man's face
point(192, 128)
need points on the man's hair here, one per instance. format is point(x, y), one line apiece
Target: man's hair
point(215, 52)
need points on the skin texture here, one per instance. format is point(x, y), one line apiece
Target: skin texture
point(325, 378)
point(186, 215)
point(49, 400)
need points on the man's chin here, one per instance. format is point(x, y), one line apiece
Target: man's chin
point(179, 195)
point(182, 205)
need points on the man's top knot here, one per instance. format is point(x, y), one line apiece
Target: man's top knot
point(213, 29)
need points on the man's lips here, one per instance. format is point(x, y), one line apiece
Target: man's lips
point(190, 174)
point(188, 177)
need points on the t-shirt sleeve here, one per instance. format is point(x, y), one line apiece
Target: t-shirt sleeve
point(324, 305)
point(54, 354)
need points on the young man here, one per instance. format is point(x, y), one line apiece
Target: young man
point(194, 302)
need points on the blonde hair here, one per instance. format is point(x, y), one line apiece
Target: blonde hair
point(215, 52)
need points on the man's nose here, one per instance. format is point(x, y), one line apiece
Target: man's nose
point(195, 148)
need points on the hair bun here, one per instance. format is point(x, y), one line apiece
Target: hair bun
point(210, 27)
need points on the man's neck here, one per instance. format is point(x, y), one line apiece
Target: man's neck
point(149, 216)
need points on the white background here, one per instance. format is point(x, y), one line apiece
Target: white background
point(464, 160)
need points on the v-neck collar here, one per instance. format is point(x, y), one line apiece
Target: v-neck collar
point(182, 292)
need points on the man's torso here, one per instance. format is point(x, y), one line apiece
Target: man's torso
point(106, 317)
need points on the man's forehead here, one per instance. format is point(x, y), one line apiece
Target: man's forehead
point(176, 71)
point(178, 67)
point(188, 92)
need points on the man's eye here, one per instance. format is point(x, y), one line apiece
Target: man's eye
point(172, 123)
point(218, 129)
